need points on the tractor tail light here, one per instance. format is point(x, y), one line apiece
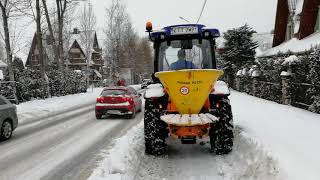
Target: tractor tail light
point(149, 26)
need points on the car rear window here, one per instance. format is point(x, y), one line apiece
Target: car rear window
point(114, 92)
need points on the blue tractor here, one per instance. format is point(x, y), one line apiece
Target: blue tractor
point(187, 101)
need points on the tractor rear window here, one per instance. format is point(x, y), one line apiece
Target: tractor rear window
point(172, 56)
point(113, 92)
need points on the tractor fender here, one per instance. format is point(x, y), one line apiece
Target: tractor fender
point(221, 89)
point(154, 91)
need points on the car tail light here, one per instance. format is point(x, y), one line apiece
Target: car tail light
point(100, 100)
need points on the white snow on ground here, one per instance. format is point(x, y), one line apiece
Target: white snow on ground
point(272, 141)
point(127, 160)
point(47, 107)
point(290, 134)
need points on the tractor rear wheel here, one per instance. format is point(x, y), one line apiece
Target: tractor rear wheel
point(154, 129)
point(221, 132)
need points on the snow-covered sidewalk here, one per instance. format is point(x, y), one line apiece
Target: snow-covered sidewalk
point(36, 109)
point(290, 134)
point(272, 141)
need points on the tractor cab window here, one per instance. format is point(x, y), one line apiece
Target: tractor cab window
point(181, 54)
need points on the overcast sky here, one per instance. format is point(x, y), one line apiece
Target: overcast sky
point(221, 14)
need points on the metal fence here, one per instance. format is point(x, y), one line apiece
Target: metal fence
point(300, 95)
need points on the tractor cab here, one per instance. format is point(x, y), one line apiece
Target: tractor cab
point(195, 42)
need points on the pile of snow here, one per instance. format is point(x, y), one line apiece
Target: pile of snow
point(36, 109)
point(255, 73)
point(295, 45)
point(293, 59)
point(239, 73)
point(189, 120)
point(220, 87)
point(154, 90)
point(285, 73)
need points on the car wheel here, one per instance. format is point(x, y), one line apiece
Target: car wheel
point(133, 115)
point(6, 130)
point(98, 116)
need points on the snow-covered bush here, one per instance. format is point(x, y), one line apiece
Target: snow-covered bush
point(314, 77)
point(269, 82)
point(238, 51)
point(29, 84)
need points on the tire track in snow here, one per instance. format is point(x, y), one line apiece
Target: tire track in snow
point(248, 160)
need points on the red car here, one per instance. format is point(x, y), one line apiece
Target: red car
point(118, 100)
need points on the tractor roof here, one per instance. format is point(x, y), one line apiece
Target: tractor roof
point(185, 31)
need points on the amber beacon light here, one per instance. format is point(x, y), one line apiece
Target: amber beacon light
point(149, 26)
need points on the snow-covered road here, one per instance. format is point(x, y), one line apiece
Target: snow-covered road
point(272, 141)
point(63, 145)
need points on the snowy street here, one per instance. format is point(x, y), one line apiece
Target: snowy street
point(61, 146)
point(266, 136)
point(69, 143)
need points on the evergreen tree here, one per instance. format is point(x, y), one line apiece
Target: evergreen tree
point(314, 77)
point(18, 64)
point(239, 50)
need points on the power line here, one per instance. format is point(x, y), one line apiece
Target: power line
point(204, 5)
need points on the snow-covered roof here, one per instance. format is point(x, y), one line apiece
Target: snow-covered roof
point(81, 40)
point(2, 64)
point(295, 45)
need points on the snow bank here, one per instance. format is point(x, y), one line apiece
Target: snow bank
point(35, 109)
point(289, 134)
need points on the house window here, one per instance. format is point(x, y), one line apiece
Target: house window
point(317, 26)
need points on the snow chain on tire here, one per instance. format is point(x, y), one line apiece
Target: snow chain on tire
point(221, 133)
point(154, 129)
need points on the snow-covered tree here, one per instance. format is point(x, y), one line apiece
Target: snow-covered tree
point(314, 77)
point(239, 50)
point(18, 64)
point(239, 47)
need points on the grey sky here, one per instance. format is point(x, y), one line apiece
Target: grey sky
point(222, 14)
